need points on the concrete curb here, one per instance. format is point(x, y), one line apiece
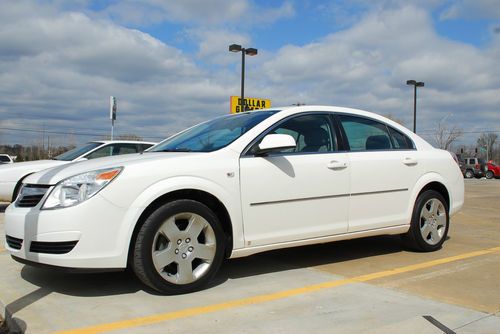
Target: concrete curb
point(11, 324)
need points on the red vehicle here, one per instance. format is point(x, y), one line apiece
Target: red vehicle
point(493, 170)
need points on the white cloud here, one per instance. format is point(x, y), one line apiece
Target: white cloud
point(194, 12)
point(472, 9)
point(367, 65)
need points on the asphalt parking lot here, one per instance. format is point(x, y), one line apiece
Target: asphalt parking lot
point(370, 285)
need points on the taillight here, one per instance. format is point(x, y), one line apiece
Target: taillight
point(477, 166)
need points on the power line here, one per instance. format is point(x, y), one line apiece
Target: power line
point(69, 133)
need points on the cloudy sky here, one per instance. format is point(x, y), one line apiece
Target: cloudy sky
point(168, 64)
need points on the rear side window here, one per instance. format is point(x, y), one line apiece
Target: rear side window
point(365, 134)
point(400, 141)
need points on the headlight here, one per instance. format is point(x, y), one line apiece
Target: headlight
point(79, 188)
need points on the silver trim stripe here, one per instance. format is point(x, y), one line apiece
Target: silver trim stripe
point(329, 196)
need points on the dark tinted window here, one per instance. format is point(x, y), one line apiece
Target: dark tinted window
point(312, 133)
point(365, 134)
point(76, 152)
point(114, 149)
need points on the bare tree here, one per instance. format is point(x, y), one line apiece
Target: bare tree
point(445, 136)
point(487, 141)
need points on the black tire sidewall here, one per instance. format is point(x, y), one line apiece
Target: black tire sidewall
point(419, 241)
point(489, 174)
point(142, 251)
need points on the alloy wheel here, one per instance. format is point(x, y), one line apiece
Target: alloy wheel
point(433, 221)
point(184, 248)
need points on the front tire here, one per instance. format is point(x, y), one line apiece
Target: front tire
point(180, 247)
point(429, 222)
point(469, 174)
point(489, 174)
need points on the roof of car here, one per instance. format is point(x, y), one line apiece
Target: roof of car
point(122, 141)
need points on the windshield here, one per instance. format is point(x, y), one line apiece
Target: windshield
point(76, 152)
point(214, 134)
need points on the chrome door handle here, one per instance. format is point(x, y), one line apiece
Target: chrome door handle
point(410, 161)
point(337, 164)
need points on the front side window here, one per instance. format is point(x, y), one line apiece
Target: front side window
point(213, 135)
point(312, 133)
point(365, 134)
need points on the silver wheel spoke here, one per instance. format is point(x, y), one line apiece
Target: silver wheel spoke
point(434, 234)
point(163, 258)
point(185, 272)
point(433, 208)
point(426, 229)
point(170, 230)
point(204, 252)
point(426, 213)
point(195, 227)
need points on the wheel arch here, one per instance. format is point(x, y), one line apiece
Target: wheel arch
point(204, 197)
point(430, 181)
point(438, 187)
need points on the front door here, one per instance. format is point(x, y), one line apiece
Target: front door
point(299, 193)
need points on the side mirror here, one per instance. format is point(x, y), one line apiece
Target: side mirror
point(274, 143)
point(82, 159)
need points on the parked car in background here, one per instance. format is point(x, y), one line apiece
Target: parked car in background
point(12, 175)
point(493, 170)
point(5, 159)
point(474, 167)
point(235, 186)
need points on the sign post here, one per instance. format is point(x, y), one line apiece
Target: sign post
point(249, 103)
point(112, 113)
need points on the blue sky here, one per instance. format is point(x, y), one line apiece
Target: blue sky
point(168, 64)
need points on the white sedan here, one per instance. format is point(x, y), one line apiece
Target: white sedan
point(235, 186)
point(11, 175)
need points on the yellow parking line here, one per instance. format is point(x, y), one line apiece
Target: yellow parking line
point(2, 249)
point(148, 320)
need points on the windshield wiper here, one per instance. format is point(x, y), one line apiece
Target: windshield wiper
point(178, 149)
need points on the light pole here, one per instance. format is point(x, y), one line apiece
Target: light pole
point(415, 84)
point(244, 51)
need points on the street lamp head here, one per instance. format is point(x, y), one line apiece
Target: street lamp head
point(251, 52)
point(415, 83)
point(235, 48)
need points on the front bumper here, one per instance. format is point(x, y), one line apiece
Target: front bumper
point(88, 235)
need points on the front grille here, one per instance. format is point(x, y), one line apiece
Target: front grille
point(14, 243)
point(31, 195)
point(62, 247)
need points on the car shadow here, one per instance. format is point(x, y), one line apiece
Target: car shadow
point(125, 282)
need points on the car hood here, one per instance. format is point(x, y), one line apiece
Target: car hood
point(13, 172)
point(54, 175)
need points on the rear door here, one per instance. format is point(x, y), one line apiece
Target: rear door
point(384, 169)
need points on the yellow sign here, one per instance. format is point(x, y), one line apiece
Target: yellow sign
point(251, 103)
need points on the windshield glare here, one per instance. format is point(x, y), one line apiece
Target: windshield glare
point(76, 152)
point(214, 134)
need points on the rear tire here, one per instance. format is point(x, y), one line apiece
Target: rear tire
point(180, 247)
point(469, 174)
point(429, 223)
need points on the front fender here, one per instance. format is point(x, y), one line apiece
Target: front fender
point(230, 200)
